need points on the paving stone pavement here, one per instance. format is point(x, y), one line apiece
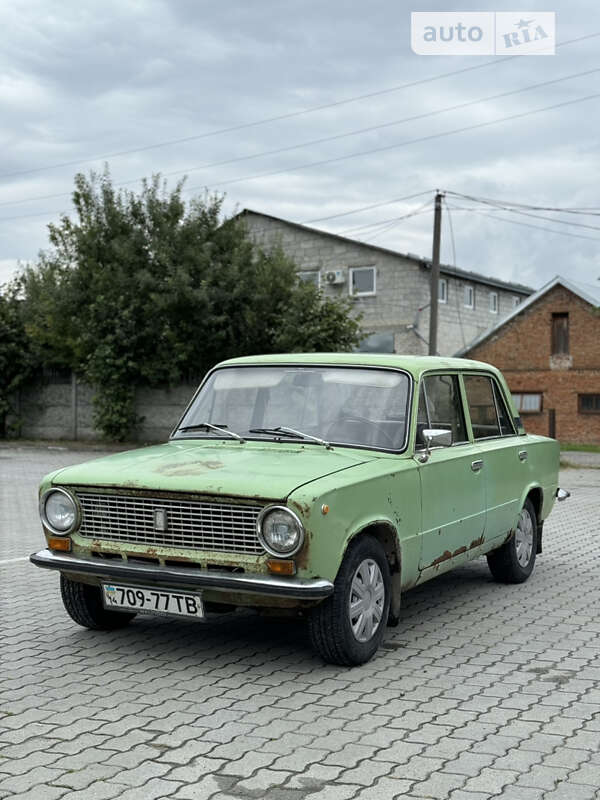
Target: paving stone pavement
point(482, 691)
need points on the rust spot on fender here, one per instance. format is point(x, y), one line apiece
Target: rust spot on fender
point(301, 558)
point(303, 508)
point(476, 542)
point(446, 556)
point(460, 550)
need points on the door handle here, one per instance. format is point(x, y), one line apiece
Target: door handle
point(477, 465)
point(522, 455)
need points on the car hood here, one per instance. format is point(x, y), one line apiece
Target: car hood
point(268, 470)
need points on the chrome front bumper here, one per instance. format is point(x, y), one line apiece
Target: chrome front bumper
point(562, 494)
point(189, 577)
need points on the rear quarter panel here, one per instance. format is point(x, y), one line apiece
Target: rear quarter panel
point(543, 464)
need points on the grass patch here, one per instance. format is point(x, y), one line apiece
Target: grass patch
point(571, 447)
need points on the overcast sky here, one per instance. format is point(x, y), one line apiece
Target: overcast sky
point(83, 80)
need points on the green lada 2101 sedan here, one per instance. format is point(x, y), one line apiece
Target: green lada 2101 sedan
point(322, 485)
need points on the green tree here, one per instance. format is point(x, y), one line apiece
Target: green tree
point(16, 357)
point(144, 289)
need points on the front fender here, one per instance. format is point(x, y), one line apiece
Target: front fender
point(384, 493)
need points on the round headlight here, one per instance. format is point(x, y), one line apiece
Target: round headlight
point(280, 531)
point(58, 511)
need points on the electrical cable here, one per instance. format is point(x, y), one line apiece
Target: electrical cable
point(322, 140)
point(540, 216)
point(528, 224)
point(589, 211)
point(397, 145)
point(392, 220)
point(289, 115)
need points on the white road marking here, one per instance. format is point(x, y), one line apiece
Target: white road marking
point(14, 560)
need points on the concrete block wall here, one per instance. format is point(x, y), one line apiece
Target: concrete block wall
point(402, 286)
point(62, 411)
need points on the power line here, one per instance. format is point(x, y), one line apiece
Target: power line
point(365, 208)
point(405, 143)
point(371, 128)
point(335, 137)
point(541, 216)
point(377, 234)
point(280, 117)
point(392, 220)
point(528, 224)
point(588, 211)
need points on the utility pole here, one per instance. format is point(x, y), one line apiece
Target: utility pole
point(435, 275)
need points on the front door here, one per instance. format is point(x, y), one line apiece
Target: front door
point(452, 484)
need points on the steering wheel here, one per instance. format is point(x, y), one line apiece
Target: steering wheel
point(357, 418)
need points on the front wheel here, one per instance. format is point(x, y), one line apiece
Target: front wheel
point(514, 561)
point(83, 603)
point(348, 627)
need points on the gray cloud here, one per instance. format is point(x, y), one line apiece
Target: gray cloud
point(80, 80)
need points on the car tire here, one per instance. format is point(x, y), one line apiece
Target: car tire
point(515, 560)
point(337, 631)
point(83, 603)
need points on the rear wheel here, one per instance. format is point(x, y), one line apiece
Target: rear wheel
point(348, 627)
point(515, 560)
point(83, 603)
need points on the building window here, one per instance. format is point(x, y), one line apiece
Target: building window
point(589, 403)
point(560, 334)
point(494, 302)
point(377, 343)
point(469, 297)
point(527, 402)
point(516, 301)
point(362, 281)
point(443, 290)
point(310, 276)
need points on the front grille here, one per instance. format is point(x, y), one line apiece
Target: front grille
point(187, 524)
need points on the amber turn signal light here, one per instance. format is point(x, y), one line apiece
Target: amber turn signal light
point(59, 543)
point(281, 567)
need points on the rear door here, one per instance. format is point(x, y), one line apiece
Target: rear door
point(501, 451)
point(452, 486)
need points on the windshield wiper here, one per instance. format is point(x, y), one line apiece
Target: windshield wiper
point(282, 429)
point(208, 426)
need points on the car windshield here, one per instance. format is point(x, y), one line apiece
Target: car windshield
point(343, 405)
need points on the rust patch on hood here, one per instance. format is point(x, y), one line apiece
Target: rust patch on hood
point(191, 468)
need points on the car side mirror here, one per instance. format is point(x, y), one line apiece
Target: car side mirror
point(434, 437)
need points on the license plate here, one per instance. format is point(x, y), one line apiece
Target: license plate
point(152, 601)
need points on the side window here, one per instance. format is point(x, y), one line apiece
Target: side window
point(440, 407)
point(482, 408)
point(506, 427)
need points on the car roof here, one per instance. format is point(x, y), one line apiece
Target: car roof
point(415, 365)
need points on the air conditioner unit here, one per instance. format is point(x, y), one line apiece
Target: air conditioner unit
point(335, 277)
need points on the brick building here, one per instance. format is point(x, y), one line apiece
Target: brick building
point(391, 289)
point(549, 351)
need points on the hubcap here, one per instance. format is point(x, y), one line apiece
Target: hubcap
point(367, 599)
point(524, 538)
